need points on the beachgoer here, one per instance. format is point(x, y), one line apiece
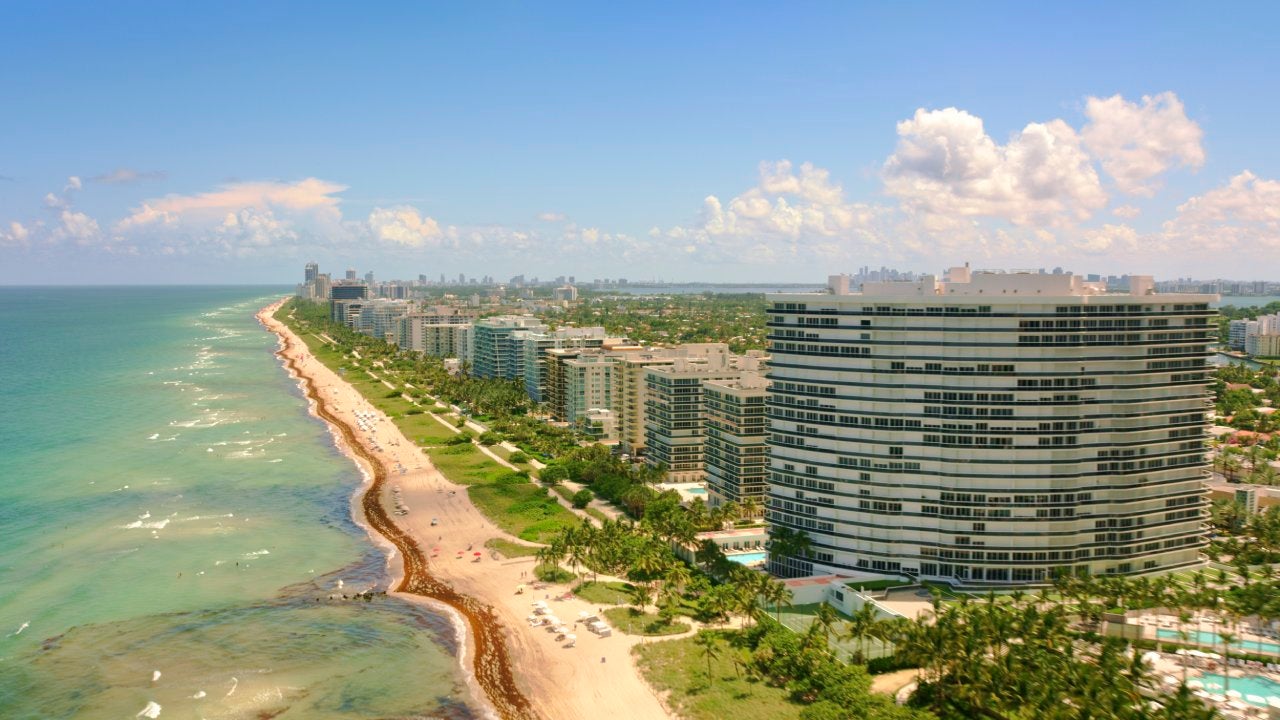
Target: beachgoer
point(601, 658)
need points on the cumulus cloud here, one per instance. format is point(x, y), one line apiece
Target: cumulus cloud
point(551, 217)
point(310, 194)
point(73, 183)
point(945, 163)
point(1136, 142)
point(1107, 239)
point(76, 227)
point(1127, 212)
point(124, 175)
point(15, 234)
point(1242, 215)
point(403, 226)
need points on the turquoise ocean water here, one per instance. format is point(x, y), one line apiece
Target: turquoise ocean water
point(167, 504)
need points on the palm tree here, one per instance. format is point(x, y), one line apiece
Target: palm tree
point(860, 626)
point(778, 594)
point(1228, 638)
point(709, 644)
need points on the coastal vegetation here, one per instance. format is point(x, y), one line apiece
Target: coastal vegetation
point(738, 320)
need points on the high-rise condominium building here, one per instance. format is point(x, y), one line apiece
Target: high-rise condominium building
point(495, 351)
point(735, 450)
point(310, 273)
point(990, 429)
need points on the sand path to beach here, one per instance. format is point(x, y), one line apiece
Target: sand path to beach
point(596, 679)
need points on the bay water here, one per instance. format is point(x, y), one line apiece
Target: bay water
point(176, 530)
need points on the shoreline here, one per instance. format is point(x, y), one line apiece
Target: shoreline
point(515, 672)
point(492, 667)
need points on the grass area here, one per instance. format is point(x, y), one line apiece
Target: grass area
point(465, 464)
point(679, 668)
point(563, 492)
point(508, 549)
point(596, 513)
point(424, 429)
point(522, 509)
point(604, 593)
point(632, 622)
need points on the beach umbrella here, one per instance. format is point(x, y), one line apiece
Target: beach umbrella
point(1234, 694)
point(478, 554)
point(583, 614)
point(1256, 699)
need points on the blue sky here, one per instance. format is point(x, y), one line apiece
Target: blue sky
point(233, 142)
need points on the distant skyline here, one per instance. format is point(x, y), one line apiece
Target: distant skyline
point(161, 143)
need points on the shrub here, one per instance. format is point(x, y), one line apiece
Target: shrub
point(518, 458)
point(489, 438)
point(392, 394)
point(552, 573)
point(462, 438)
point(583, 498)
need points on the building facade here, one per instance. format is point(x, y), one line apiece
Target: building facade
point(674, 419)
point(495, 351)
point(990, 429)
point(736, 429)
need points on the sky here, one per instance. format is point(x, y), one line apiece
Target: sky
point(736, 142)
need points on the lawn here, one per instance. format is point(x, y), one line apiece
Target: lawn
point(424, 429)
point(522, 509)
point(604, 593)
point(466, 465)
point(679, 668)
point(631, 622)
point(508, 549)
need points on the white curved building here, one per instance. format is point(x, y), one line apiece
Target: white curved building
point(990, 429)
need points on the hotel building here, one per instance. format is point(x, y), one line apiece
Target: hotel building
point(990, 428)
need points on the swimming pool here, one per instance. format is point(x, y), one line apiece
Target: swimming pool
point(697, 491)
point(1247, 685)
point(1211, 639)
point(750, 558)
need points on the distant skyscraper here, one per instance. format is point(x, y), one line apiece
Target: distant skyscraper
point(312, 271)
point(351, 274)
point(368, 278)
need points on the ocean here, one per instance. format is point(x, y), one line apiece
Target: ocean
point(176, 530)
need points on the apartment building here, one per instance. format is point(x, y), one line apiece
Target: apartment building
point(420, 332)
point(495, 350)
point(735, 451)
point(990, 428)
point(674, 414)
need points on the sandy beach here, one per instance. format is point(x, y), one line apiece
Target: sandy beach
point(518, 671)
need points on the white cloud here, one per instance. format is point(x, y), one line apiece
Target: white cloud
point(121, 176)
point(73, 183)
point(1107, 239)
point(1243, 215)
point(76, 227)
point(16, 234)
point(945, 163)
point(311, 194)
point(1137, 142)
point(403, 226)
point(1127, 212)
point(551, 217)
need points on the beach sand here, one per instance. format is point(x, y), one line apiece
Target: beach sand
point(596, 679)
